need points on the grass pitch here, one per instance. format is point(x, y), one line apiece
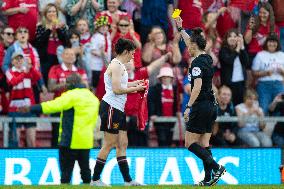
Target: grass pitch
point(147, 187)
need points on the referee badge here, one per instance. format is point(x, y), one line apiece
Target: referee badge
point(115, 125)
point(196, 71)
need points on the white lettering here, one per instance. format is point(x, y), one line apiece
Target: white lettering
point(140, 169)
point(228, 178)
point(51, 167)
point(171, 167)
point(195, 172)
point(10, 176)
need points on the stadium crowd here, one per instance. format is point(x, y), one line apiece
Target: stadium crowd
point(44, 41)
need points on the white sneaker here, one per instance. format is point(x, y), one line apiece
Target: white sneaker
point(99, 183)
point(133, 183)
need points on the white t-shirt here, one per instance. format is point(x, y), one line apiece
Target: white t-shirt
point(97, 42)
point(237, 71)
point(265, 61)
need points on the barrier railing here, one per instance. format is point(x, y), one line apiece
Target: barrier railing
point(6, 120)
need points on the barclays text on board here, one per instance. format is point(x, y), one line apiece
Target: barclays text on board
point(148, 166)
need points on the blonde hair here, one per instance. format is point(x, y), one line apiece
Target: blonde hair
point(250, 93)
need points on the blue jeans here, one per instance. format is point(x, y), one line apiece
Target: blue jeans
point(267, 90)
point(282, 38)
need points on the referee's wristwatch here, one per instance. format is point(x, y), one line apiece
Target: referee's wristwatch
point(180, 29)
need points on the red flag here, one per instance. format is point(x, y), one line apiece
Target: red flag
point(143, 108)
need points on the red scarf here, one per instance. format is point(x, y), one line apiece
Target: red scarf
point(143, 108)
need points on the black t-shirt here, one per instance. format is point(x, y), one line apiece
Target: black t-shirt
point(228, 111)
point(202, 67)
point(279, 111)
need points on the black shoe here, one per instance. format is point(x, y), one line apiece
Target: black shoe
point(217, 175)
point(203, 183)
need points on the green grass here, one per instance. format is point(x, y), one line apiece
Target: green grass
point(147, 187)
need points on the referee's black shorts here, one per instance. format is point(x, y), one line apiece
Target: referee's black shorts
point(112, 120)
point(202, 117)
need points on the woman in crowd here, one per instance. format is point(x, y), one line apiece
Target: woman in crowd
point(251, 131)
point(50, 34)
point(268, 68)
point(234, 58)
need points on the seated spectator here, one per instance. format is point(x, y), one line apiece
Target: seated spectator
point(100, 49)
point(86, 9)
point(258, 28)
point(22, 13)
point(225, 134)
point(251, 130)
point(6, 39)
point(279, 18)
point(21, 77)
point(277, 109)
point(157, 46)
point(73, 42)
point(234, 59)
point(268, 68)
point(60, 4)
point(57, 82)
point(163, 100)
point(126, 30)
point(133, 105)
point(30, 55)
point(50, 33)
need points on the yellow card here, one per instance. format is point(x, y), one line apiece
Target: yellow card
point(176, 13)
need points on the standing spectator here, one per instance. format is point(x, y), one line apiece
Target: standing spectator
point(50, 33)
point(78, 109)
point(57, 82)
point(60, 4)
point(234, 58)
point(225, 134)
point(158, 46)
point(133, 8)
point(78, 9)
point(30, 55)
point(21, 77)
point(279, 18)
point(156, 13)
point(100, 49)
point(3, 18)
point(277, 109)
point(268, 68)
point(251, 131)
point(7, 38)
point(258, 29)
point(22, 13)
point(133, 103)
point(163, 100)
point(126, 30)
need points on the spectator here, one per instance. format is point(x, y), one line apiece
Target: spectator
point(225, 134)
point(21, 77)
point(72, 41)
point(50, 33)
point(60, 4)
point(133, 8)
point(3, 18)
point(126, 30)
point(163, 100)
point(156, 13)
point(79, 112)
point(30, 55)
point(78, 9)
point(136, 137)
point(100, 49)
point(251, 130)
point(156, 47)
point(22, 13)
point(234, 58)
point(57, 82)
point(7, 38)
point(279, 18)
point(258, 29)
point(268, 68)
point(277, 109)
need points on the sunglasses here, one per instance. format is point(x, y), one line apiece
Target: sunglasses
point(19, 58)
point(9, 33)
point(23, 31)
point(123, 25)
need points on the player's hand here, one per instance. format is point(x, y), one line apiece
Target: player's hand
point(140, 87)
point(138, 82)
point(178, 21)
point(24, 109)
point(186, 114)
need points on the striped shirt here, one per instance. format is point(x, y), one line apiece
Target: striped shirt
point(115, 101)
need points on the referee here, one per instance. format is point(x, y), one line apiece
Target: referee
point(201, 110)
point(79, 111)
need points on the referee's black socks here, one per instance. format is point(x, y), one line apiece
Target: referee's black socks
point(100, 163)
point(203, 154)
point(207, 168)
point(123, 167)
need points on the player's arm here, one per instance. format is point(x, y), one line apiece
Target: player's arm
point(116, 85)
point(195, 91)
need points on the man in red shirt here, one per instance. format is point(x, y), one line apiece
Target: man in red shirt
point(57, 82)
point(21, 13)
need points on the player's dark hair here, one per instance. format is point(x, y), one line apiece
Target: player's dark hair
point(197, 38)
point(73, 81)
point(124, 45)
